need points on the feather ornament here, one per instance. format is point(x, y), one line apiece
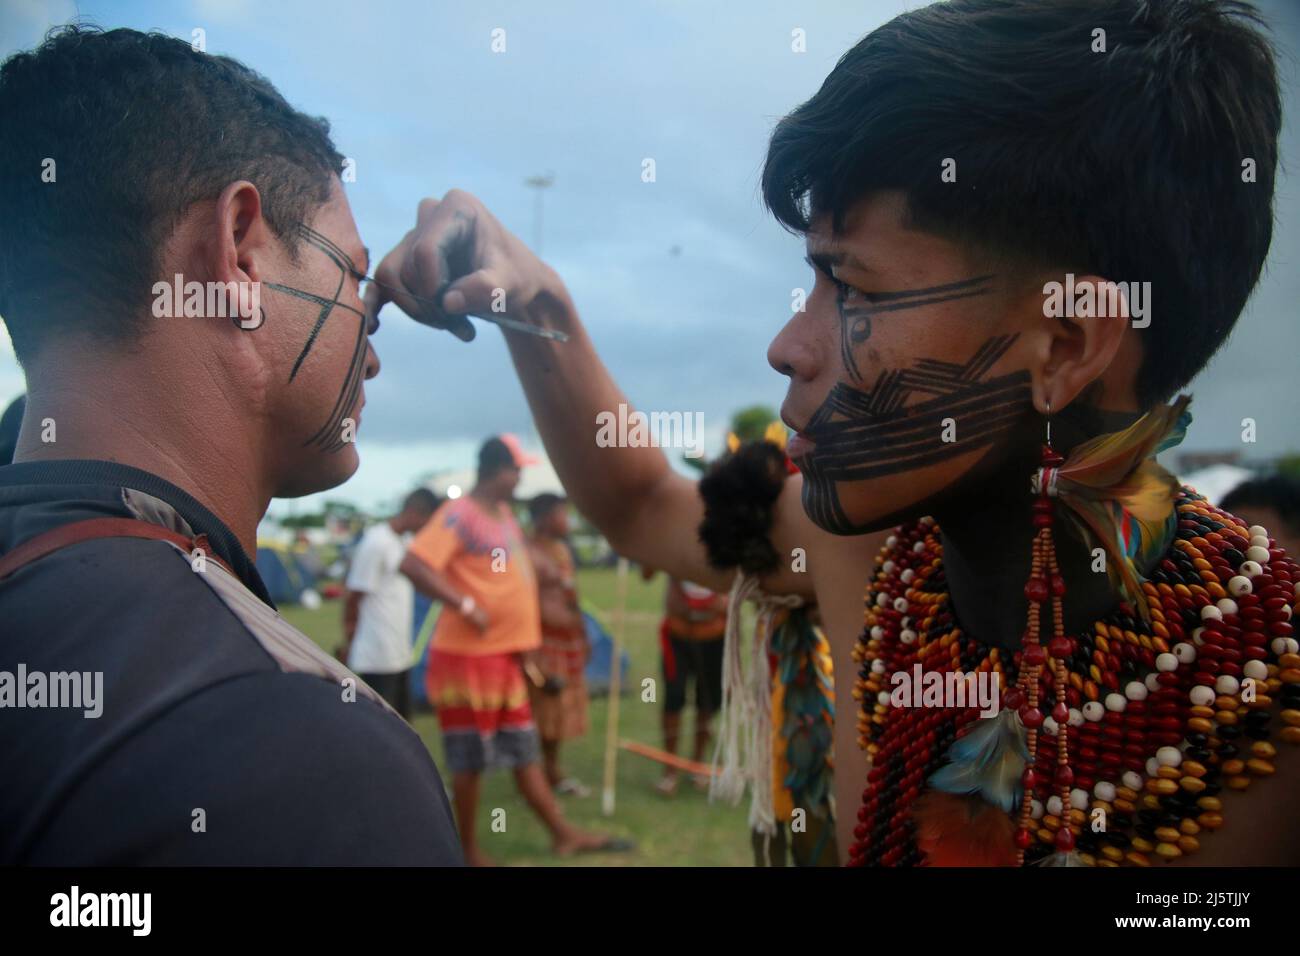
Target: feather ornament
point(1119, 496)
point(987, 762)
point(962, 831)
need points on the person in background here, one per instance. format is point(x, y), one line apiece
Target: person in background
point(380, 602)
point(1272, 503)
point(10, 422)
point(560, 704)
point(690, 638)
point(472, 556)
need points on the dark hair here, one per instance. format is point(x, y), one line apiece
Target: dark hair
point(544, 504)
point(421, 499)
point(10, 424)
point(1279, 492)
point(1126, 164)
point(493, 456)
point(140, 127)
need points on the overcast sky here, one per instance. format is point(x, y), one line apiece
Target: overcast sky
point(682, 282)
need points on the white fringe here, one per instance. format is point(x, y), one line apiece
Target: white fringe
point(744, 741)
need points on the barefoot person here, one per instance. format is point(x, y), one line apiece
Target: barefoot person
point(964, 168)
point(473, 558)
point(560, 703)
point(154, 437)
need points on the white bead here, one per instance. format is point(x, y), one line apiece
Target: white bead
point(1054, 805)
point(1184, 652)
point(877, 666)
point(1166, 662)
point(1079, 799)
point(877, 632)
point(918, 547)
point(1295, 589)
point(927, 521)
point(907, 576)
point(883, 698)
point(882, 599)
point(1258, 531)
point(1286, 609)
point(1211, 613)
point(1227, 684)
point(1153, 766)
point(1202, 696)
point(1050, 726)
point(1257, 554)
point(1169, 756)
point(891, 541)
point(1131, 779)
point(1076, 717)
point(908, 636)
point(1238, 585)
point(1104, 791)
point(1228, 606)
point(1152, 681)
point(888, 567)
point(1285, 645)
point(1198, 636)
point(1251, 569)
point(1093, 711)
point(1036, 809)
point(1255, 670)
point(1116, 703)
point(900, 604)
point(1136, 690)
point(1259, 541)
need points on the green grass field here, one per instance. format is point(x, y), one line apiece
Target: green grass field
point(682, 831)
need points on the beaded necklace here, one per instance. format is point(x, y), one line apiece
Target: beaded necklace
point(1137, 725)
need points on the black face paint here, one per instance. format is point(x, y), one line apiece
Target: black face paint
point(864, 434)
point(329, 437)
point(856, 316)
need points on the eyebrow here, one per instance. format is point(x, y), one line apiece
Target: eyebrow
point(826, 258)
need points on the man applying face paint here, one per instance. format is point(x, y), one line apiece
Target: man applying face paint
point(925, 367)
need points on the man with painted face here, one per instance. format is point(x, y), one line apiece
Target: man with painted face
point(156, 433)
point(962, 166)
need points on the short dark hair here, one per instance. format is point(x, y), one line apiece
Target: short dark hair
point(1126, 164)
point(1278, 492)
point(140, 127)
point(544, 504)
point(421, 499)
point(494, 455)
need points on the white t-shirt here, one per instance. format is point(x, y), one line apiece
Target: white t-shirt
point(382, 644)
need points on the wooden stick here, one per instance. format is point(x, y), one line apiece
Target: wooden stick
point(664, 757)
point(615, 678)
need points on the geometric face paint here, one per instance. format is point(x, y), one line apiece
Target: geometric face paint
point(330, 435)
point(859, 434)
point(857, 312)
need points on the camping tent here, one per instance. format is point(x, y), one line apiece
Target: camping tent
point(285, 574)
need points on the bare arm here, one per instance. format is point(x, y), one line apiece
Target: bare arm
point(435, 585)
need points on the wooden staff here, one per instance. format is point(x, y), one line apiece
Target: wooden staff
point(615, 678)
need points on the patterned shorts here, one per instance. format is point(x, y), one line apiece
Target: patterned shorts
point(483, 710)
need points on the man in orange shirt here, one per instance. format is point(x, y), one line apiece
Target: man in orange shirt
point(473, 558)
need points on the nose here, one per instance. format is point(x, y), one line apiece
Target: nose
point(372, 360)
point(792, 352)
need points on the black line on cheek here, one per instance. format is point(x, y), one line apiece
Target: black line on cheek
point(863, 434)
point(328, 437)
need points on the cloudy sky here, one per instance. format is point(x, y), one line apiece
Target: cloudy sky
point(683, 281)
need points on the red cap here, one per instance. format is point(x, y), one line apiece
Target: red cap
point(521, 457)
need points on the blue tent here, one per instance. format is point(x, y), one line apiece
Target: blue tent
point(602, 650)
point(284, 574)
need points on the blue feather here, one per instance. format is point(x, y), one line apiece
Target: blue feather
point(988, 761)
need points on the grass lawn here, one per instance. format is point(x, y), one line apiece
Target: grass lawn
point(683, 831)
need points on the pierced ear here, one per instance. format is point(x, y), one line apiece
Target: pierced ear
point(1084, 321)
point(240, 234)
